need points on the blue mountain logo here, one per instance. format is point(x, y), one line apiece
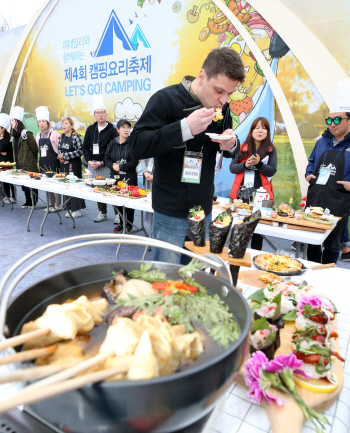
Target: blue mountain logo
point(114, 28)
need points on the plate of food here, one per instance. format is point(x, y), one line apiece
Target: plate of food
point(219, 136)
point(279, 264)
point(7, 164)
point(316, 215)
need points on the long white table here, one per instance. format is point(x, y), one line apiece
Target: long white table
point(79, 190)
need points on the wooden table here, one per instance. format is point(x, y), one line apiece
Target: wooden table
point(235, 264)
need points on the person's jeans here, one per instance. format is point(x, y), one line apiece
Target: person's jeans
point(102, 207)
point(172, 230)
point(344, 239)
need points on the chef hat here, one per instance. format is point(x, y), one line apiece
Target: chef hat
point(42, 113)
point(99, 102)
point(5, 120)
point(341, 97)
point(17, 113)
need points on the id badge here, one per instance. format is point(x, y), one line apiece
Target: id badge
point(116, 176)
point(122, 172)
point(249, 177)
point(43, 152)
point(323, 176)
point(192, 167)
point(95, 149)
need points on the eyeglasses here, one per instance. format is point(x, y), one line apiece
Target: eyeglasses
point(99, 113)
point(336, 120)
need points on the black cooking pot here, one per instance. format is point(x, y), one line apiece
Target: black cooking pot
point(163, 404)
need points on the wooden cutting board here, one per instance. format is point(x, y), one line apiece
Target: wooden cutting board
point(295, 221)
point(289, 418)
point(251, 278)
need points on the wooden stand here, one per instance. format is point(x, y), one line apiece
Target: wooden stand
point(234, 263)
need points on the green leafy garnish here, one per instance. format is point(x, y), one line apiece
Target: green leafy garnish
point(195, 210)
point(259, 325)
point(291, 316)
point(257, 296)
point(148, 274)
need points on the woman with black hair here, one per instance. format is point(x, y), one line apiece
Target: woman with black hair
point(26, 151)
point(6, 155)
point(255, 161)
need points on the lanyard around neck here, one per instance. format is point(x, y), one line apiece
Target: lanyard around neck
point(45, 139)
point(324, 159)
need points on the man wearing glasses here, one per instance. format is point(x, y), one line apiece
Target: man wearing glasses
point(96, 141)
point(328, 173)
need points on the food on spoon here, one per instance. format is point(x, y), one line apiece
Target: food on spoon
point(218, 232)
point(218, 114)
point(66, 321)
point(196, 222)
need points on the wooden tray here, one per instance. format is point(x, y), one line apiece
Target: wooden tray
point(295, 221)
point(295, 227)
point(289, 418)
point(118, 194)
point(246, 261)
point(251, 278)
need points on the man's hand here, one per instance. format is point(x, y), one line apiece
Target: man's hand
point(148, 176)
point(115, 166)
point(199, 120)
point(94, 165)
point(3, 153)
point(60, 157)
point(227, 144)
point(345, 184)
point(309, 177)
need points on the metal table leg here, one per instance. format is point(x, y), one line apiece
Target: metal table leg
point(270, 243)
point(150, 235)
point(124, 229)
point(305, 251)
point(297, 250)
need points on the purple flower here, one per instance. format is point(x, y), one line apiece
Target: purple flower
point(287, 362)
point(256, 381)
point(314, 301)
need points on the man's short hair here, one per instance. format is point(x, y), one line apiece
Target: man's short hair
point(224, 61)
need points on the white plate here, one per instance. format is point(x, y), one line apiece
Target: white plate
point(99, 182)
point(219, 137)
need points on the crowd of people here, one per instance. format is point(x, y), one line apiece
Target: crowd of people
point(173, 126)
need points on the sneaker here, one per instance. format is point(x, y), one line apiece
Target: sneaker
point(101, 217)
point(76, 214)
point(67, 215)
point(128, 228)
point(117, 221)
point(13, 200)
point(6, 200)
point(51, 208)
point(294, 247)
point(26, 205)
point(345, 257)
point(118, 229)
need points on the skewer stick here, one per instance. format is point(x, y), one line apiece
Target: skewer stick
point(20, 339)
point(69, 372)
point(27, 355)
point(26, 374)
point(60, 388)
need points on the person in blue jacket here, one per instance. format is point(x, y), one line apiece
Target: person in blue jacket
point(328, 174)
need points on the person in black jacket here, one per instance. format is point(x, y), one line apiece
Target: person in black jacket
point(175, 121)
point(6, 155)
point(123, 167)
point(95, 145)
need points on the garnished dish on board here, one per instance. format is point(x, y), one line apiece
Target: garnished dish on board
point(317, 215)
point(278, 264)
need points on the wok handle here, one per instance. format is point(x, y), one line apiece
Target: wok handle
point(213, 262)
point(325, 266)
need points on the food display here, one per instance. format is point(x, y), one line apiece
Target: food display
point(122, 189)
point(196, 222)
point(310, 316)
point(316, 214)
point(218, 232)
point(264, 337)
point(34, 175)
point(154, 324)
point(267, 277)
point(218, 114)
point(277, 263)
point(7, 164)
point(60, 175)
point(241, 235)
